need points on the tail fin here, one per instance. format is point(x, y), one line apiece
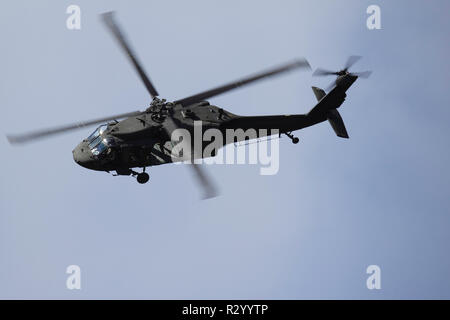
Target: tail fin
point(319, 93)
point(333, 116)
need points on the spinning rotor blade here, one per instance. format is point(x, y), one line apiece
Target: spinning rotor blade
point(351, 61)
point(301, 63)
point(330, 86)
point(209, 189)
point(22, 138)
point(322, 72)
point(364, 74)
point(108, 19)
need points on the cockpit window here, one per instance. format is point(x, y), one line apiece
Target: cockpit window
point(97, 132)
point(96, 142)
point(99, 148)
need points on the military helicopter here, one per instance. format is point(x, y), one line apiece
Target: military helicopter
point(143, 138)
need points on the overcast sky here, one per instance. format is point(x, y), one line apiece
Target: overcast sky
point(335, 207)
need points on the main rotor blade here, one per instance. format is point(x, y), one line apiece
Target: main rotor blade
point(108, 19)
point(364, 74)
point(322, 72)
point(209, 190)
point(301, 63)
point(351, 61)
point(208, 187)
point(35, 135)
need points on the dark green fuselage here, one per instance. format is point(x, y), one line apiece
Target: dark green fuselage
point(143, 140)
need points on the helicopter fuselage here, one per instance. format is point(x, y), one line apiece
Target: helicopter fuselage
point(143, 140)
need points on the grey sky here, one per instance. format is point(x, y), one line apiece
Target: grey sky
point(335, 207)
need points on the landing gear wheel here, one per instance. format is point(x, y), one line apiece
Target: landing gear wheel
point(295, 140)
point(142, 177)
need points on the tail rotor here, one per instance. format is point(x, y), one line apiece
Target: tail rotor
point(350, 62)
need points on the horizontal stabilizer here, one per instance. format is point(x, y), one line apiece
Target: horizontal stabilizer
point(337, 123)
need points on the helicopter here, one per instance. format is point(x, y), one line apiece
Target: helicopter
point(144, 138)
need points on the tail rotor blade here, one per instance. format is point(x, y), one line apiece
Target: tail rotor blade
point(364, 74)
point(351, 61)
point(322, 72)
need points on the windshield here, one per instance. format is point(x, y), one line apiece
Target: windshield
point(96, 142)
point(100, 147)
point(97, 133)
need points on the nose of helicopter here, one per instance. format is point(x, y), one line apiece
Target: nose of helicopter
point(83, 155)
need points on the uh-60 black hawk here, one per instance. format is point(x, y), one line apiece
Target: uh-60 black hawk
point(143, 138)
